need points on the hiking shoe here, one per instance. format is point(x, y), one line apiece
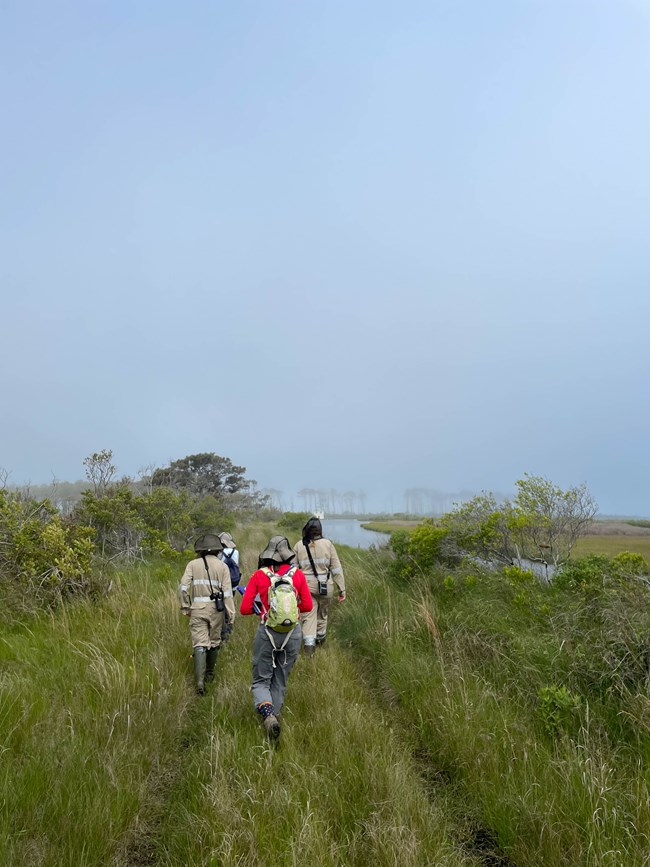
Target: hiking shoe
point(272, 727)
point(309, 649)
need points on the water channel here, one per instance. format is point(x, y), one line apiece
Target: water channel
point(348, 531)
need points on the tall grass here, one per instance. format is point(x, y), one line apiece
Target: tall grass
point(464, 666)
point(109, 758)
point(90, 698)
point(342, 788)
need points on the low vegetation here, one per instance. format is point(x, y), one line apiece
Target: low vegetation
point(458, 715)
point(528, 700)
point(110, 758)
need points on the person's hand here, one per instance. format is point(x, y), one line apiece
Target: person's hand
point(342, 596)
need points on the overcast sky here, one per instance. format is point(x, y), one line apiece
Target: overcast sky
point(356, 245)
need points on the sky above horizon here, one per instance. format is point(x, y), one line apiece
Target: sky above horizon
point(361, 245)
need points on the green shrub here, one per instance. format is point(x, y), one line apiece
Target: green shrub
point(629, 565)
point(42, 555)
point(420, 550)
point(293, 522)
point(584, 573)
point(558, 709)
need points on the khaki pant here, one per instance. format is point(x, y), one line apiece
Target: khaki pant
point(205, 625)
point(314, 622)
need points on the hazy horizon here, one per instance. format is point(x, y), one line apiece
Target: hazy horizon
point(348, 246)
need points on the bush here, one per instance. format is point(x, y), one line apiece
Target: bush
point(293, 522)
point(629, 565)
point(421, 550)
point(584, 573)
point(42, 555)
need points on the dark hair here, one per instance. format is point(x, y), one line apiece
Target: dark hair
point(313, 529)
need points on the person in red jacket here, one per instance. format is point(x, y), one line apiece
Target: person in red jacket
point(277, 644)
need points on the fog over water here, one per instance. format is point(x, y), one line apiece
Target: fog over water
point(355, 246)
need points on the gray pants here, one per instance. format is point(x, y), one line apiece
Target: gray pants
point(269, 683)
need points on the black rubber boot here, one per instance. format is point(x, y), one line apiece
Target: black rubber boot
point(210, 662)
point(199, 668)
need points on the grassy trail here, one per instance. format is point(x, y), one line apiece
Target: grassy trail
point(460, 674)
point(108, 757)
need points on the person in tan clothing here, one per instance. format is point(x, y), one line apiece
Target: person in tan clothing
point(205, 595)
point(317, 558)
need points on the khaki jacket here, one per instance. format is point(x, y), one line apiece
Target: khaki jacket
point(194, 589)
point(326, 561)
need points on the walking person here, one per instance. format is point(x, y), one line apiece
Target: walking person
point(318, 559)
point(205, 595)
point(283, 595)
point(230, 556)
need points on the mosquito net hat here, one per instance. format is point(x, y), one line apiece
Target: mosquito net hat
point(278, 550)
point(227, 540)
point(208, 543)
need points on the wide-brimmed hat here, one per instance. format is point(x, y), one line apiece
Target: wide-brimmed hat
point(278, 550)
point(208, 543)
point(227, 540)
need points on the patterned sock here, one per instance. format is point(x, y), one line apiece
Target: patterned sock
point(265, 709)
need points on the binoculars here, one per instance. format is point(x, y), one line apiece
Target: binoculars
point(217, 598)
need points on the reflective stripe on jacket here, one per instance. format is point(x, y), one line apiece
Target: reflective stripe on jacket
point(194, 588)
point(325, 558)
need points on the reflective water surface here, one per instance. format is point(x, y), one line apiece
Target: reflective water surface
point(347, 531)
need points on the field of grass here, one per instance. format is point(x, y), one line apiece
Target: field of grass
point(453, 719)
point(109, 758)
point(511, 696)
point(612, 545)
point(389, 526)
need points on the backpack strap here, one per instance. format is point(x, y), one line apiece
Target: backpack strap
point(281, 649)
point(271, 574)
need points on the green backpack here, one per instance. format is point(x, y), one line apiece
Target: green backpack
point(283, 606)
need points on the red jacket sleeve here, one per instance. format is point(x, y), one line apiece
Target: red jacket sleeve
point(305, 602)
point(250, 593)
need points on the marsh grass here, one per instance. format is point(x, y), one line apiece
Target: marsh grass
point(415, 737)
point(612, 545)
point(341, 789)
point(464, 663)
point(89, 699)
point(389, 526)
point(108, 757)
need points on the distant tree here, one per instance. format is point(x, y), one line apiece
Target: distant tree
point(541, 525)
point(203, 474)
point(146, 474)
point(274, 497)
point(100, 470)
point(548, 520)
